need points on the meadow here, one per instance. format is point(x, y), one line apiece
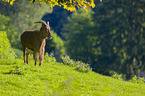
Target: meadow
point(53, 78)
point(57, 79)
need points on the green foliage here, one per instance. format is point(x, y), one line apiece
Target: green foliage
point(138, 80)
point(78, 35)
point(117, 76)
point(5, 25)
point(55, 43)
point(121, 38)
point(4, 22)
point(7, 55)
point(57, 40)
point(82, 67)
point(23, 18)
point(78, 65)
point(19, 53)
point(6, 8)
point(27, 15)
point(60, 16)
point(49, 58)
point(68, 61)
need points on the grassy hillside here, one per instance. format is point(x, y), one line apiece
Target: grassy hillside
point(53, 78)
point(19, 79)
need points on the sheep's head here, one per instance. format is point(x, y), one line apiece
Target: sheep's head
point(45, 29)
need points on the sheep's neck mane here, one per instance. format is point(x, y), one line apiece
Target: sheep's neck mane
point(42, 35)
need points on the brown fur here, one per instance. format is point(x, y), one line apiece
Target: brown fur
point(34, 40)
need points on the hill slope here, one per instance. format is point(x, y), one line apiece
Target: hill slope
point(57, 79)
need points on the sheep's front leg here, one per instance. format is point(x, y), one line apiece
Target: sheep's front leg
point(35, 55)
point(24, 54)
point(27, 55)
point(41, 56)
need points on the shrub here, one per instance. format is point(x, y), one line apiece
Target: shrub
point(48, 58)
point(79, 65)
point(117, 76)
point(82, 67)
point(136, 79)
point(68, 61)
point(7, 55)
point(19, 53)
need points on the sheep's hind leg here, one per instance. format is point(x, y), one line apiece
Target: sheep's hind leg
point(41, 56)
point(41, 59)
point(27, 55)
point(35, 54)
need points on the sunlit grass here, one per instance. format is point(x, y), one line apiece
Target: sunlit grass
point(54, 78)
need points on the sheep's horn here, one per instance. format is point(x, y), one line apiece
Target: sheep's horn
point(43, 22)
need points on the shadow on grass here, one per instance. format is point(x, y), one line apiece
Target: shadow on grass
point(11, 72)
point(15, 70)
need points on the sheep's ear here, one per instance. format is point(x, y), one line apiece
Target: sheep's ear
point(48, 23)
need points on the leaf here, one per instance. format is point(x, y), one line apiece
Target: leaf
point(69, 4)
point(11, 2)
point(92, 4)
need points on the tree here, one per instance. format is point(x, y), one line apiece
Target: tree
point(7, 9)
point(71, 5)
point(78, 35)
point(57, 19)
point(121, 34)
point(24, 17)
point(55, 46)
point(5, 25)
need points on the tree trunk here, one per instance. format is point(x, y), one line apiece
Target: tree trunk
point(129, 71)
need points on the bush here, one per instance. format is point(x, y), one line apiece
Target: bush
point(117, 76)
point(136, 79)
point(48, 58)
point(79, 65)
point(19, 53)
point(68, 61)
point(82, 67)
point(7, 55)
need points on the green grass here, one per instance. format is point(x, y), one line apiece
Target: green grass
point(18, 53)
point(19, 79)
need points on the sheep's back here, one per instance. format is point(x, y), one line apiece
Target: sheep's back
point(30, 39)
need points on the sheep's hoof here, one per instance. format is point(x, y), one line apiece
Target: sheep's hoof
point(40, 64)
point(35, 63)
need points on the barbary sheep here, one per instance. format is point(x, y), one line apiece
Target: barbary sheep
point(34, 40)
